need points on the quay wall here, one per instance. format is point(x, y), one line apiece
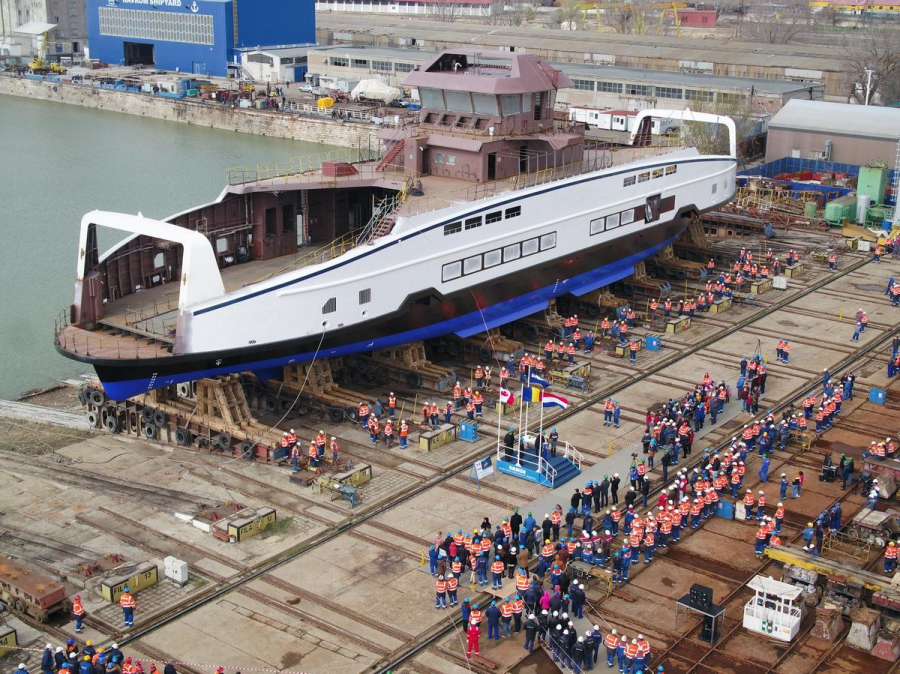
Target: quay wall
point(258, 122)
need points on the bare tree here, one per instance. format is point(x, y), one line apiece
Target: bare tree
point(779, 27)
point(508, 12)
point(711, 138)
point(878, 51)
point(630, 18)
point(446, 11)
point(569, 14)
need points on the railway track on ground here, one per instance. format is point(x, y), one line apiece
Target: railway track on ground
point(392, 660)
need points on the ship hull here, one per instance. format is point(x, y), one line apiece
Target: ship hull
point(426, 314)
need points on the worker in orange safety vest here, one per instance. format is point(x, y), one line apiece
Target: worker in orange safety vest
point(126, 601)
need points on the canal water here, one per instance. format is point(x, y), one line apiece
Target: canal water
point(57, 162)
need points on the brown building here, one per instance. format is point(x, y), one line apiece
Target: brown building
point(837, 132)
point(822, 64)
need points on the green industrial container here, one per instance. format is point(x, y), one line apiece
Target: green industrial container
point(810, 209)
point(875, 216)
point(838, 209)
point(872, 182)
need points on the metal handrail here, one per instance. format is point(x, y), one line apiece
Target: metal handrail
point(548, 470)
point(573, 455)
point(133, 316)
point(602, 158)
point(83, 346)
point(327, 252)
point(300, 166)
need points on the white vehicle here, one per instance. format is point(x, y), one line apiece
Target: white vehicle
point(618, 120)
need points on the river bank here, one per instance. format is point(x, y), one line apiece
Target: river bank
point(62, 161)
point(209, 115)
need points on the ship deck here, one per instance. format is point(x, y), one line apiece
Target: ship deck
point(142, 325)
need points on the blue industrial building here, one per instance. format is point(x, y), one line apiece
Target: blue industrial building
point(193, 36)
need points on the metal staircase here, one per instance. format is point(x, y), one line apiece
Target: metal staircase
point(390, 156)
point(382, 220)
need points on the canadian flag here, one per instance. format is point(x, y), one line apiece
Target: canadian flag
point(506, 397)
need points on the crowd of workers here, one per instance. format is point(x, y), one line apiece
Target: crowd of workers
point(72, 659)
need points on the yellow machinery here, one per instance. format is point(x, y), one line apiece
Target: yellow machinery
point(39, 65)
point(142, 576)
point(325, 103)
point(664, 7)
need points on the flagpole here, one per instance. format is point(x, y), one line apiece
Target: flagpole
point(499, 419)
point(519, 438)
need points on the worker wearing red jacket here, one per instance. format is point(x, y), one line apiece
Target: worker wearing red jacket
point(472, 636)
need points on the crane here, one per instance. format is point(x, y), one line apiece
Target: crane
point(676, 22)
point(38, 64)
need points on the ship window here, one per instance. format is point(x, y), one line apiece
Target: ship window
point(451, 160)
point(485, 104)
point(630, 180)
point(492, 258)
point(643, 177)
point(597, 225)
point(496, 216)
point(510, 105)
point(452, 271)
point(160, 260)
point(458, 101)
point(365, 296)
point(529, 247)
point(715, 187)
point(512, 252)
point(612, 221)
point(330, 306)
point(651, 208)
point(432, 98)
point(472, 223)
point(513, 212)
point(453, 228)
point(671, 169)
point(438, 158)
point(548, 241)
point(472, 264)
point(657, 173)
point(627, 216)
point(221, 247)
point(526, 101)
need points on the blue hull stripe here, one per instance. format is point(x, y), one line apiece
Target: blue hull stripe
point(520, 198)
point(466, 325)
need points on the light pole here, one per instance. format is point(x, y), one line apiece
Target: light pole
point(868, 72)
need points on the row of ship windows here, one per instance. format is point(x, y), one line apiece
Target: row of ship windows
point(472, 223)
point(651, 214)
point(650, 175)
point(492, 258)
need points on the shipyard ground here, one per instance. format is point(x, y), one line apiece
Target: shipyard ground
point(340, 589)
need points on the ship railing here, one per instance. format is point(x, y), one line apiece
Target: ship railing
point(597, 157)
point(327, 252)
point(145, 315)
point(76, 340)
point(300, 168)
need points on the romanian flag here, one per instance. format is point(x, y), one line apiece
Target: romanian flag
point(531, 394)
